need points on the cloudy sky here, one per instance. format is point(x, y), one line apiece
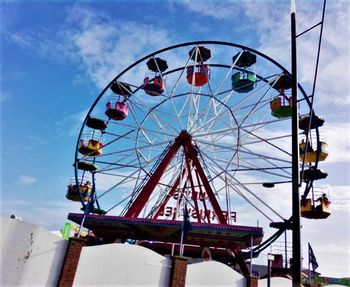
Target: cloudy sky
point(56, 57)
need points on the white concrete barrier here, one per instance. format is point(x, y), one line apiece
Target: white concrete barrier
point(213, 273)
point(30, 255)
point(121, 265)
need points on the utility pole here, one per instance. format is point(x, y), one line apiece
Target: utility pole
point(296, 264)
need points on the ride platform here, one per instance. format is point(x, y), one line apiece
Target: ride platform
point(112, 228)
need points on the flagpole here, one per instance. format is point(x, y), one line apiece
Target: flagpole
point(185, 215)
point(308, 252)
point(296, 268)
point(182, 240)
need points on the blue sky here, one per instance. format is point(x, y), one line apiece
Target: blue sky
point(56, 58)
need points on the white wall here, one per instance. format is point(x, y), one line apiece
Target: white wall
point(276, 281)
point(213, 273)
point(30, 255)
point(121, 265)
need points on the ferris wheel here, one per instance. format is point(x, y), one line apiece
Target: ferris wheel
point(202, 125)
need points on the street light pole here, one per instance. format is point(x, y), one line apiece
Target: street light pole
point(296, 267)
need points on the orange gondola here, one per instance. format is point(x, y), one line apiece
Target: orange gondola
point(198, 73)
point(154, 85)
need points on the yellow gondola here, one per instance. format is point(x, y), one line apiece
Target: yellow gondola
point(72, 192)
point(92, 148)
point(310, 211)
point(310, 155)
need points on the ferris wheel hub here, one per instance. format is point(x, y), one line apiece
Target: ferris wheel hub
point(184, 135)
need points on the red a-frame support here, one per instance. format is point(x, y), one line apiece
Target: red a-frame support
point(191, 163)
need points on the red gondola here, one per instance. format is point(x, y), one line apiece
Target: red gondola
point(281, 106)
point(198, 75)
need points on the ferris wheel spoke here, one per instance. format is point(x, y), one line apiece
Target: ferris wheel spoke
point(177, 116)
point(249, 165)
point(226, 164)
point(191, 109)
point(238, 106)
point(165, 126)
point(206, 111)
point(267, 160)
point(125, 178)
point(221, 85)
point(257, 197)
point(133, 149)
point(223, 101)
point(268, 141)
point(234, 179)
point(254, 107)
point(117, 164)
point(212, 111)
point(223, 104)
point(221, 147)
point(251, 203)
point(177, 82)
point(208, 124)
point(261, 156)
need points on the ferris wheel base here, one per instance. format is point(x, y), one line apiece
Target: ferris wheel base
point(113, 228)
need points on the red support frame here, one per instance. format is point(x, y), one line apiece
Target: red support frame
point(192, 163)
point(193, 195)
point(217, 209)
point(139, 203)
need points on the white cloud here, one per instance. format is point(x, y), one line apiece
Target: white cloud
point(340, 198)
point(105, 47)
point(23, 40)
point(102, 46)
point(73, 121)
point(215, 8)
point(337, 136)
point(25, 180)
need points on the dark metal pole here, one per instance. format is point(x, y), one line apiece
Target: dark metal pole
point(268, 271)
point(296, 267)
